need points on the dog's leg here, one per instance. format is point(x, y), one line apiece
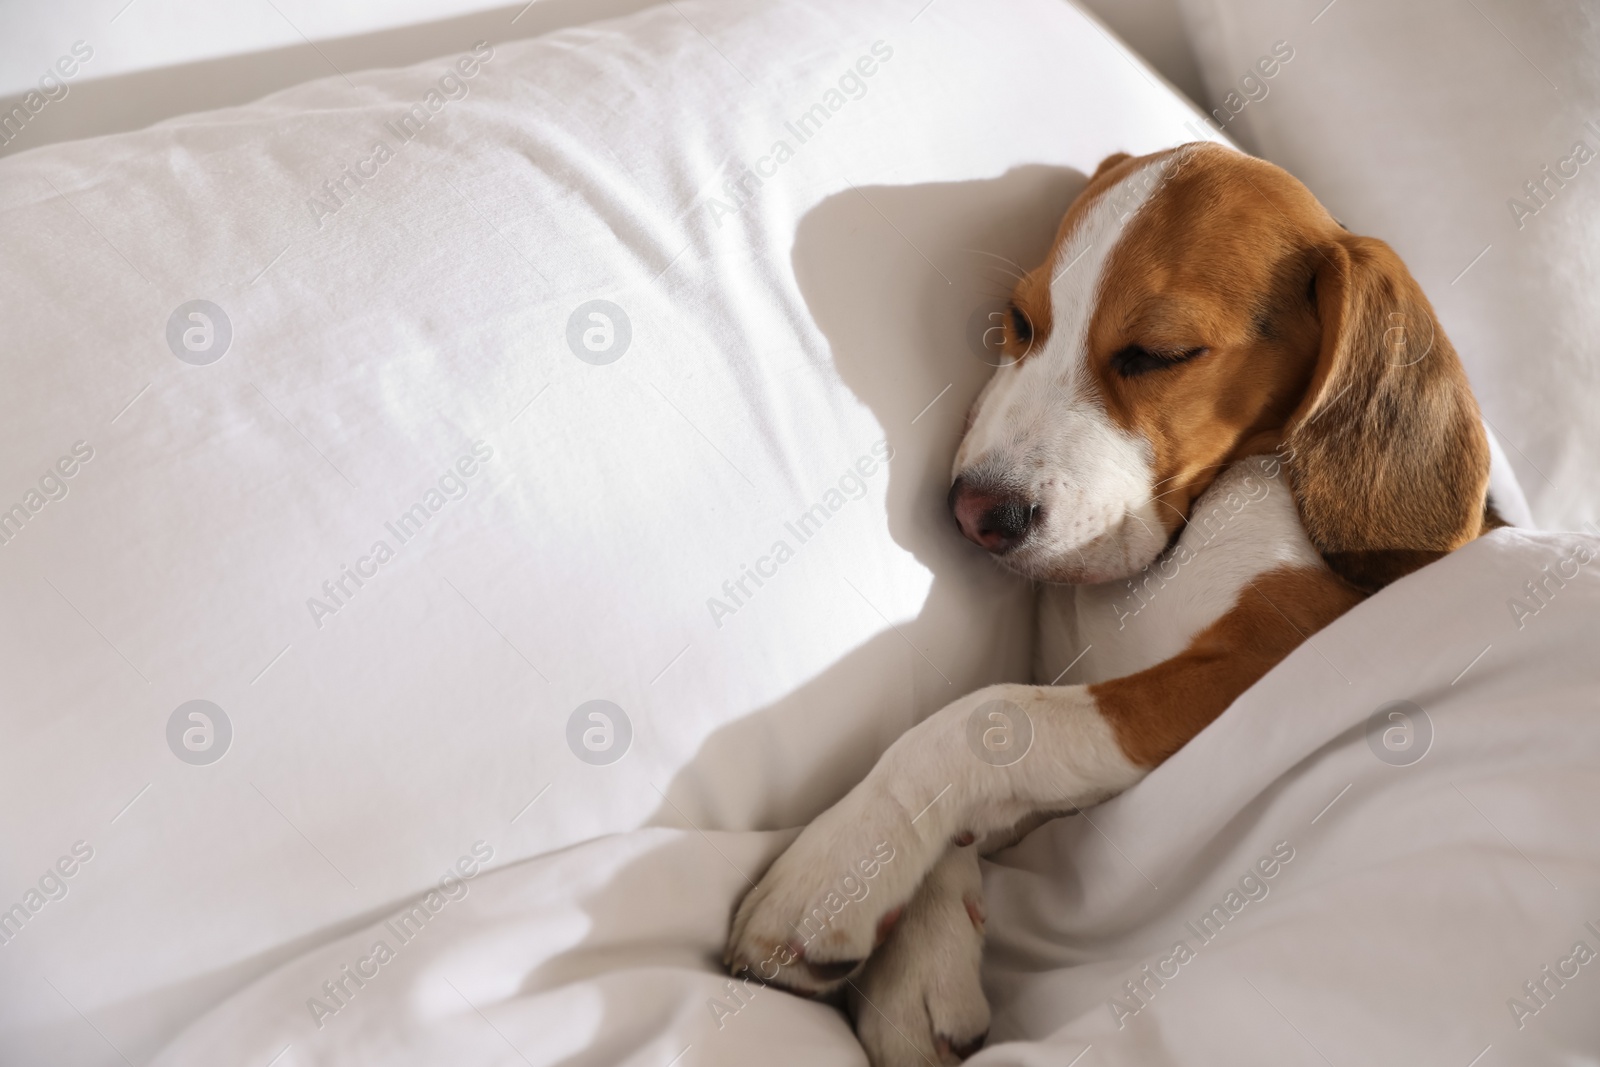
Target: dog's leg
point(942, 783)
point(930, 790)
point(919, 1001)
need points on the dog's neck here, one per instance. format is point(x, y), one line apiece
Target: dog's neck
point(1242, 527)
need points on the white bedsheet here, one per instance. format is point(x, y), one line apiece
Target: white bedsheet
point(1335, 906)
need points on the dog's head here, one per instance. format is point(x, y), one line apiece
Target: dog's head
point(1199, 306)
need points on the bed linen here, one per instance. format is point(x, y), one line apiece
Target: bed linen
point(449, 466)
point(580, 359)
point(1358, 888)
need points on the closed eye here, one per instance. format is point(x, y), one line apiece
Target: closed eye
point(1135, 360)
point(1021, 326)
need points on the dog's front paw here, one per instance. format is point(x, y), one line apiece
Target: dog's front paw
point(919, 1001)
point(830, 899)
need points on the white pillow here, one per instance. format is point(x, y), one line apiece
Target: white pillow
point(407, 353)
point(1424, 123)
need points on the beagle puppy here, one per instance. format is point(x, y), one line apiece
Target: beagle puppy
point(1222, 422)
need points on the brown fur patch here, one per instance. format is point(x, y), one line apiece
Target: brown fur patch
point(1155, 712)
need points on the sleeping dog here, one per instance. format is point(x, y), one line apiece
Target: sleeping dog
point(1223, 421)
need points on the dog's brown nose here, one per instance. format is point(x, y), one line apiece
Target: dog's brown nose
point(995, 519)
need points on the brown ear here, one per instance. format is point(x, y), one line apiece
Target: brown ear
point(1387, 454)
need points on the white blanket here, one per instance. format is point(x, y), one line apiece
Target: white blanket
point(1300, 884)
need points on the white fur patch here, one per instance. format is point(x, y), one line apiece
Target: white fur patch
point(932, 785)
point(1242, 526)
point(925, 982)
point(1042, 430)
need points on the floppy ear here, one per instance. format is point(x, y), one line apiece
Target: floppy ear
point(1387, 454)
